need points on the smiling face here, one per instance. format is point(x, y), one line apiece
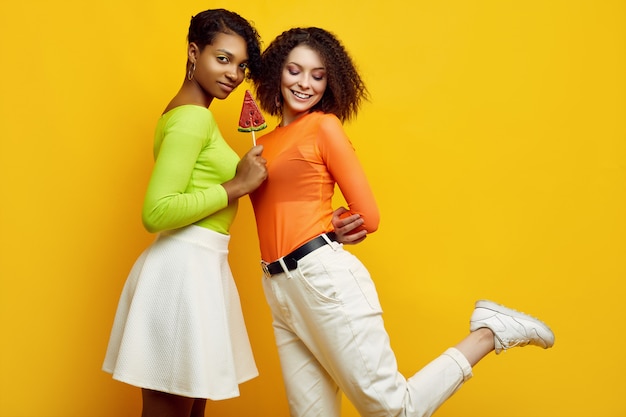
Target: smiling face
point(220, 66)
point(303, 82)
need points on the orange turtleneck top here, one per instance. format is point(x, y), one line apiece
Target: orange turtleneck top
point(305, 160)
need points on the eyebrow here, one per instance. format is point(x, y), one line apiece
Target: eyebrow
point(227, 52)
point(300, 66)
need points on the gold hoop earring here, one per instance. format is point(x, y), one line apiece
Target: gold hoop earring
point(191, 71)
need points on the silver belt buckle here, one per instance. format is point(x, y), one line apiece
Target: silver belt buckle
point(266, 271)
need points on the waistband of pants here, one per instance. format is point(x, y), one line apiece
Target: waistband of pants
point(291, 259)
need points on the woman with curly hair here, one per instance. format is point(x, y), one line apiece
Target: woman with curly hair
point(179, 332)
point(326, 314)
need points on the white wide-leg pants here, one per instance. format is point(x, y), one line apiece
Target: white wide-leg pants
point(331, 338)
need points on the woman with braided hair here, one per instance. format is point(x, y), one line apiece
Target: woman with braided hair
point(179, 332)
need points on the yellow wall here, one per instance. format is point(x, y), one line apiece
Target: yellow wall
point(495, 141)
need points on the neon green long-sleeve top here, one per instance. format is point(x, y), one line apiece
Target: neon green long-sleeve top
point(192, 160)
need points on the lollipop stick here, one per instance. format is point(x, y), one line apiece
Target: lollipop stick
point(253, 138)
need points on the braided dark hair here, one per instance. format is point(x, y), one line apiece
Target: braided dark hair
point(207, 24)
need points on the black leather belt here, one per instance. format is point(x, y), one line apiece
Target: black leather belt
point(291, 259)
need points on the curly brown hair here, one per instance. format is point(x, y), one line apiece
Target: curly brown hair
point(345, 88)
point(207, 24)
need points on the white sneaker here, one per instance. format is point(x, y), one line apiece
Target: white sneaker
point(511, 328)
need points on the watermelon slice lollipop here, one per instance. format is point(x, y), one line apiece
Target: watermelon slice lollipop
point(251, 119)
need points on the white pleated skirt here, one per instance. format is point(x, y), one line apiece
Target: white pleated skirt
point(179, 326)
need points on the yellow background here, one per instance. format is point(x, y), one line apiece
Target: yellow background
point(495, 141)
